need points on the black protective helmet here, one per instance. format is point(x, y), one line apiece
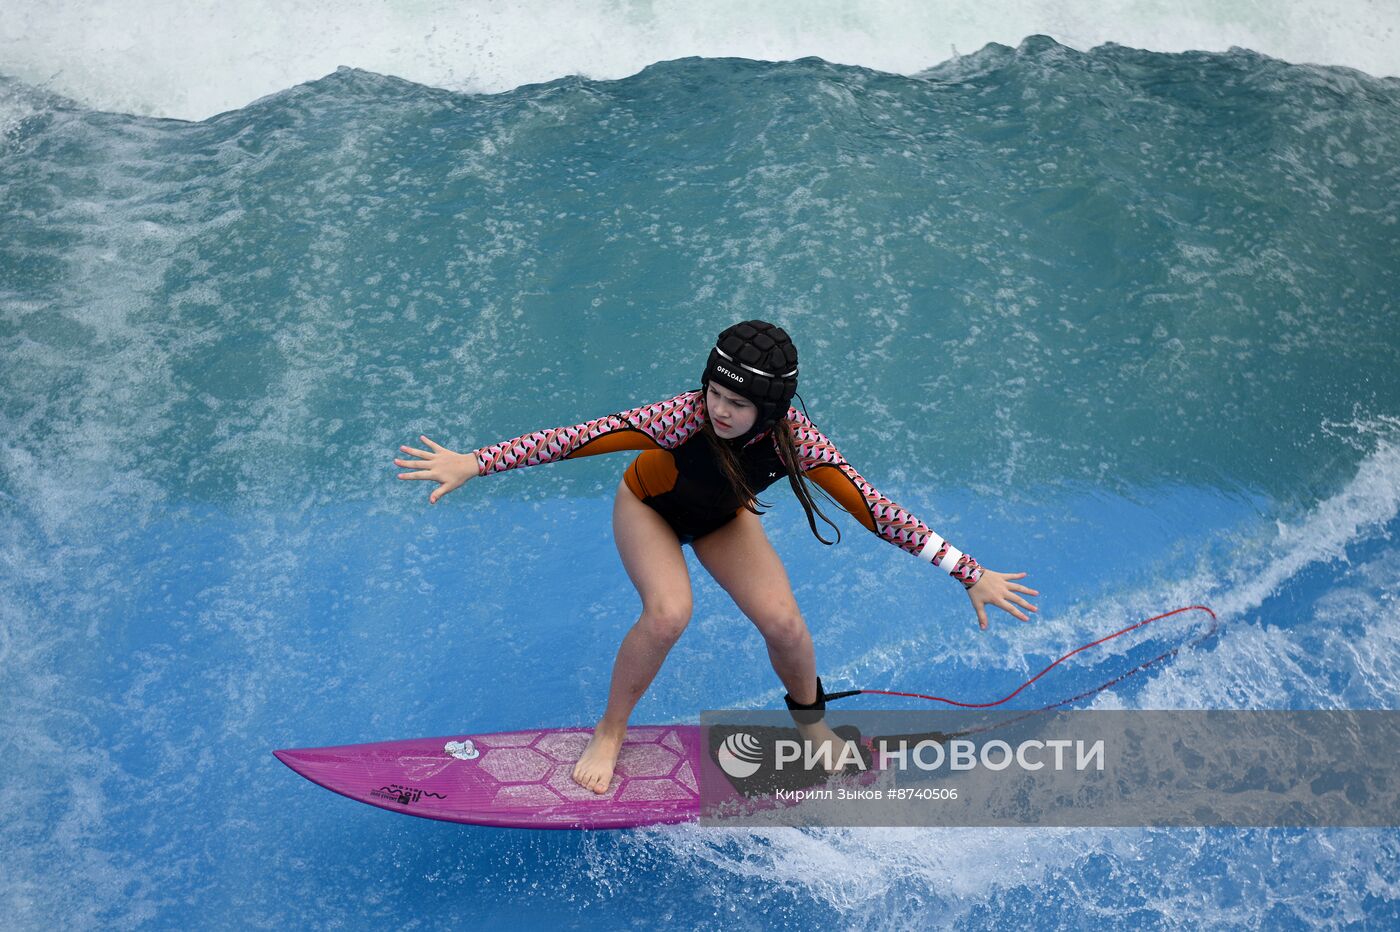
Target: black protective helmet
point(757, 360)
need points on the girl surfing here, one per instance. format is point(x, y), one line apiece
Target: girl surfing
point(705, 456)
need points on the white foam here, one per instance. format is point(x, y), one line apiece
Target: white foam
point(1372, 498)
point(136, 57)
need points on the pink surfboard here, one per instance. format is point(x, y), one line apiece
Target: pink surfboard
point(520, 779)
point(517, 779)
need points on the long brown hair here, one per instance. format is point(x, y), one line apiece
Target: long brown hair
point(787, 452)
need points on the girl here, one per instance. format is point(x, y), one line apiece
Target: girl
point(706, 455)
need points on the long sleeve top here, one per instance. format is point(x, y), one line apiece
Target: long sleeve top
point(671, 429)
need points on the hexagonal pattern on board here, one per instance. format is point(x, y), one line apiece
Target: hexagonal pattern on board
point(535, 768)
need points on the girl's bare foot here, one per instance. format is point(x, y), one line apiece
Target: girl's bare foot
point(594, 769)
point(827, 747)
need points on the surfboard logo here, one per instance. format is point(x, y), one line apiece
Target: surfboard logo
point(740, 755)
point(462, 750)
point(403, 795)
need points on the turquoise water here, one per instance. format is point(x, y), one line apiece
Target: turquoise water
point(1126, 321)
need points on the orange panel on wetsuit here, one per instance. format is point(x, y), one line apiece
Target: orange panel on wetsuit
point(610, 443)
point(840, 487)
point(651, 473)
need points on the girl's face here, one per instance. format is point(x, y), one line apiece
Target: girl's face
point(732, 415)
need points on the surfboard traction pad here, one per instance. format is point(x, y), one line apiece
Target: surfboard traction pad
point(522, 779)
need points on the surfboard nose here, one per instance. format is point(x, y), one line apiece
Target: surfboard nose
point(294, 758)
point(301, 757)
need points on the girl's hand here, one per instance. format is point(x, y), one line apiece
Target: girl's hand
point(450, 470)
point(995, 589)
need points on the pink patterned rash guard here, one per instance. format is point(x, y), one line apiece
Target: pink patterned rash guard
point(676, 473)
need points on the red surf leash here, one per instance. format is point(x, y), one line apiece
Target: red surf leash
point(1214, 626)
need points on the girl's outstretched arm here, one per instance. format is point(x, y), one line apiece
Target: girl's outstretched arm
point(825, 466)
point(664, 424)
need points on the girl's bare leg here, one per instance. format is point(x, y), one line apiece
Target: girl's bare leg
point(652, 557)
point(742, 560)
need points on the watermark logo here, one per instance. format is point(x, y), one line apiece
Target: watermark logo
point(1044, 767)
point(740, 756)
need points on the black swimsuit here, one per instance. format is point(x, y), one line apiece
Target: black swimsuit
point(686, 486)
